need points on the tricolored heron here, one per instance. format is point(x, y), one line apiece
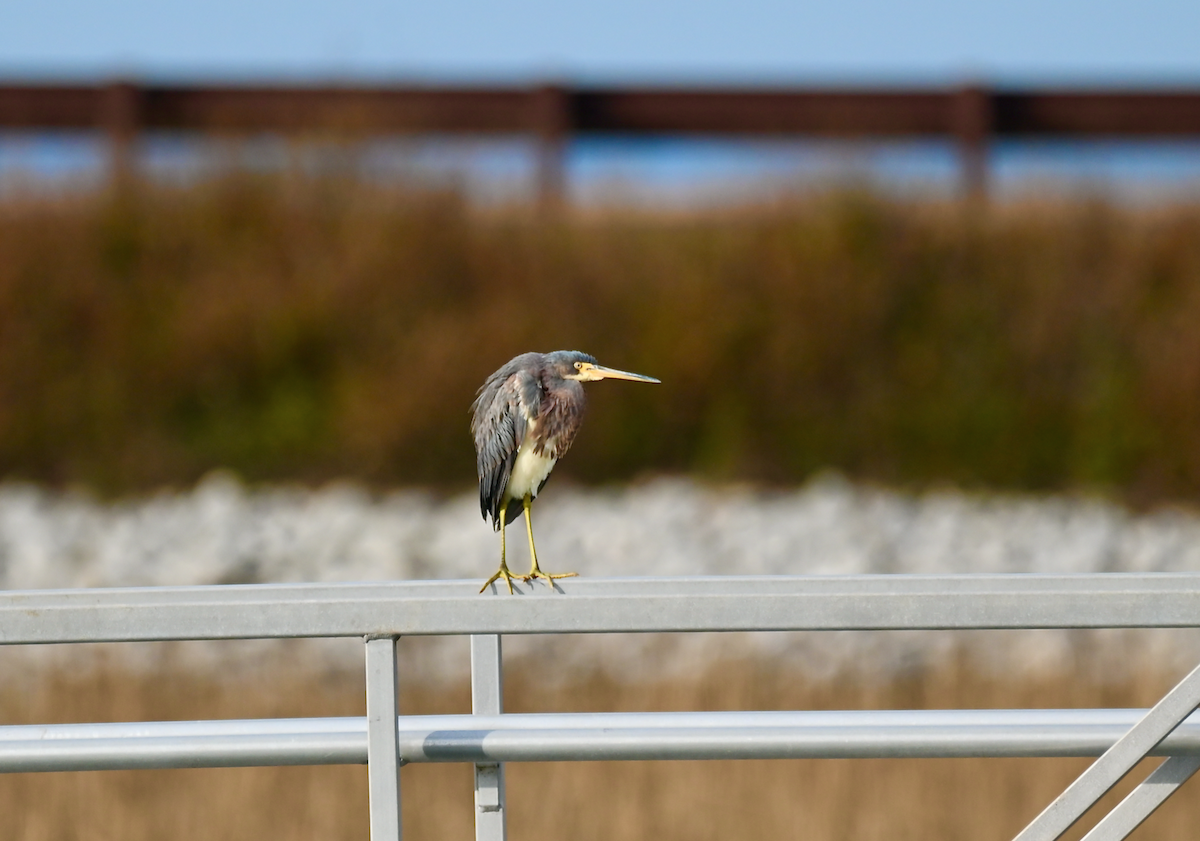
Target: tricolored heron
point(524, 420)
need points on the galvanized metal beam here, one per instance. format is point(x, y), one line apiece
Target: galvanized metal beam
point(597, 605)
point(383, 754)
point(487, 699)
point(555, 737)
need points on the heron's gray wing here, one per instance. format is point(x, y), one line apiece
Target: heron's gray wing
point(507, 403)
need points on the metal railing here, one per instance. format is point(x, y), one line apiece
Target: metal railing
point(382, 612)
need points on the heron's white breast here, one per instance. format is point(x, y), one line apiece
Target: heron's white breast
point(529, 469)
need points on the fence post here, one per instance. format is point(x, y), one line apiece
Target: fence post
point(487, 698)
point(120, 116)
point(383, 739)
point(552, 121)
point(973, 123)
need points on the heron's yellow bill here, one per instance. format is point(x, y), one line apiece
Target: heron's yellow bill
point(599, 372)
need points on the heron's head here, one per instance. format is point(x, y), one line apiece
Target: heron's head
point(574, 365)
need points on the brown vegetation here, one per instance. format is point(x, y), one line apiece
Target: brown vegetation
point(307, 330)
point(864, 800)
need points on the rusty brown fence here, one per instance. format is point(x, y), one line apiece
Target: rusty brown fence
point(970, 116)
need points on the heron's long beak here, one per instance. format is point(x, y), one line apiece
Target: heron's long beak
point(599, 372)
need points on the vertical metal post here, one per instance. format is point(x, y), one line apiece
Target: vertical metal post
point(487, 698)
point(383, 739)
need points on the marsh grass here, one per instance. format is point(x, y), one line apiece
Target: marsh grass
point(818, 800)
point(305, 330)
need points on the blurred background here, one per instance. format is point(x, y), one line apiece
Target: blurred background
point(921, 282)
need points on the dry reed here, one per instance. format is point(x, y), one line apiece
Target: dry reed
point(818, 800)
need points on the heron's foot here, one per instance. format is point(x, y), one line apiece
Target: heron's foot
point(501, 573)
point(550, 577)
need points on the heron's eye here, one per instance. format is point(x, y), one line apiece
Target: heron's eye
point(578, 366)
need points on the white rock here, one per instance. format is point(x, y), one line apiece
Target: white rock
point(220, 532)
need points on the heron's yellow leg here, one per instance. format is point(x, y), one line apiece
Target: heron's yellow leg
point(535, 571)
point(503, 571)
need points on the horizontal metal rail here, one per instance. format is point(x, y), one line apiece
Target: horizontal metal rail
point(558, 737)
point(379, 613)
point(763, 603)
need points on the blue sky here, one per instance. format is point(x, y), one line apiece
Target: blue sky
point(647, 40)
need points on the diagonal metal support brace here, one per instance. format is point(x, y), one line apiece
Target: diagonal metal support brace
point(1116, 762)
point(487, 698)
point(1140, 803)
